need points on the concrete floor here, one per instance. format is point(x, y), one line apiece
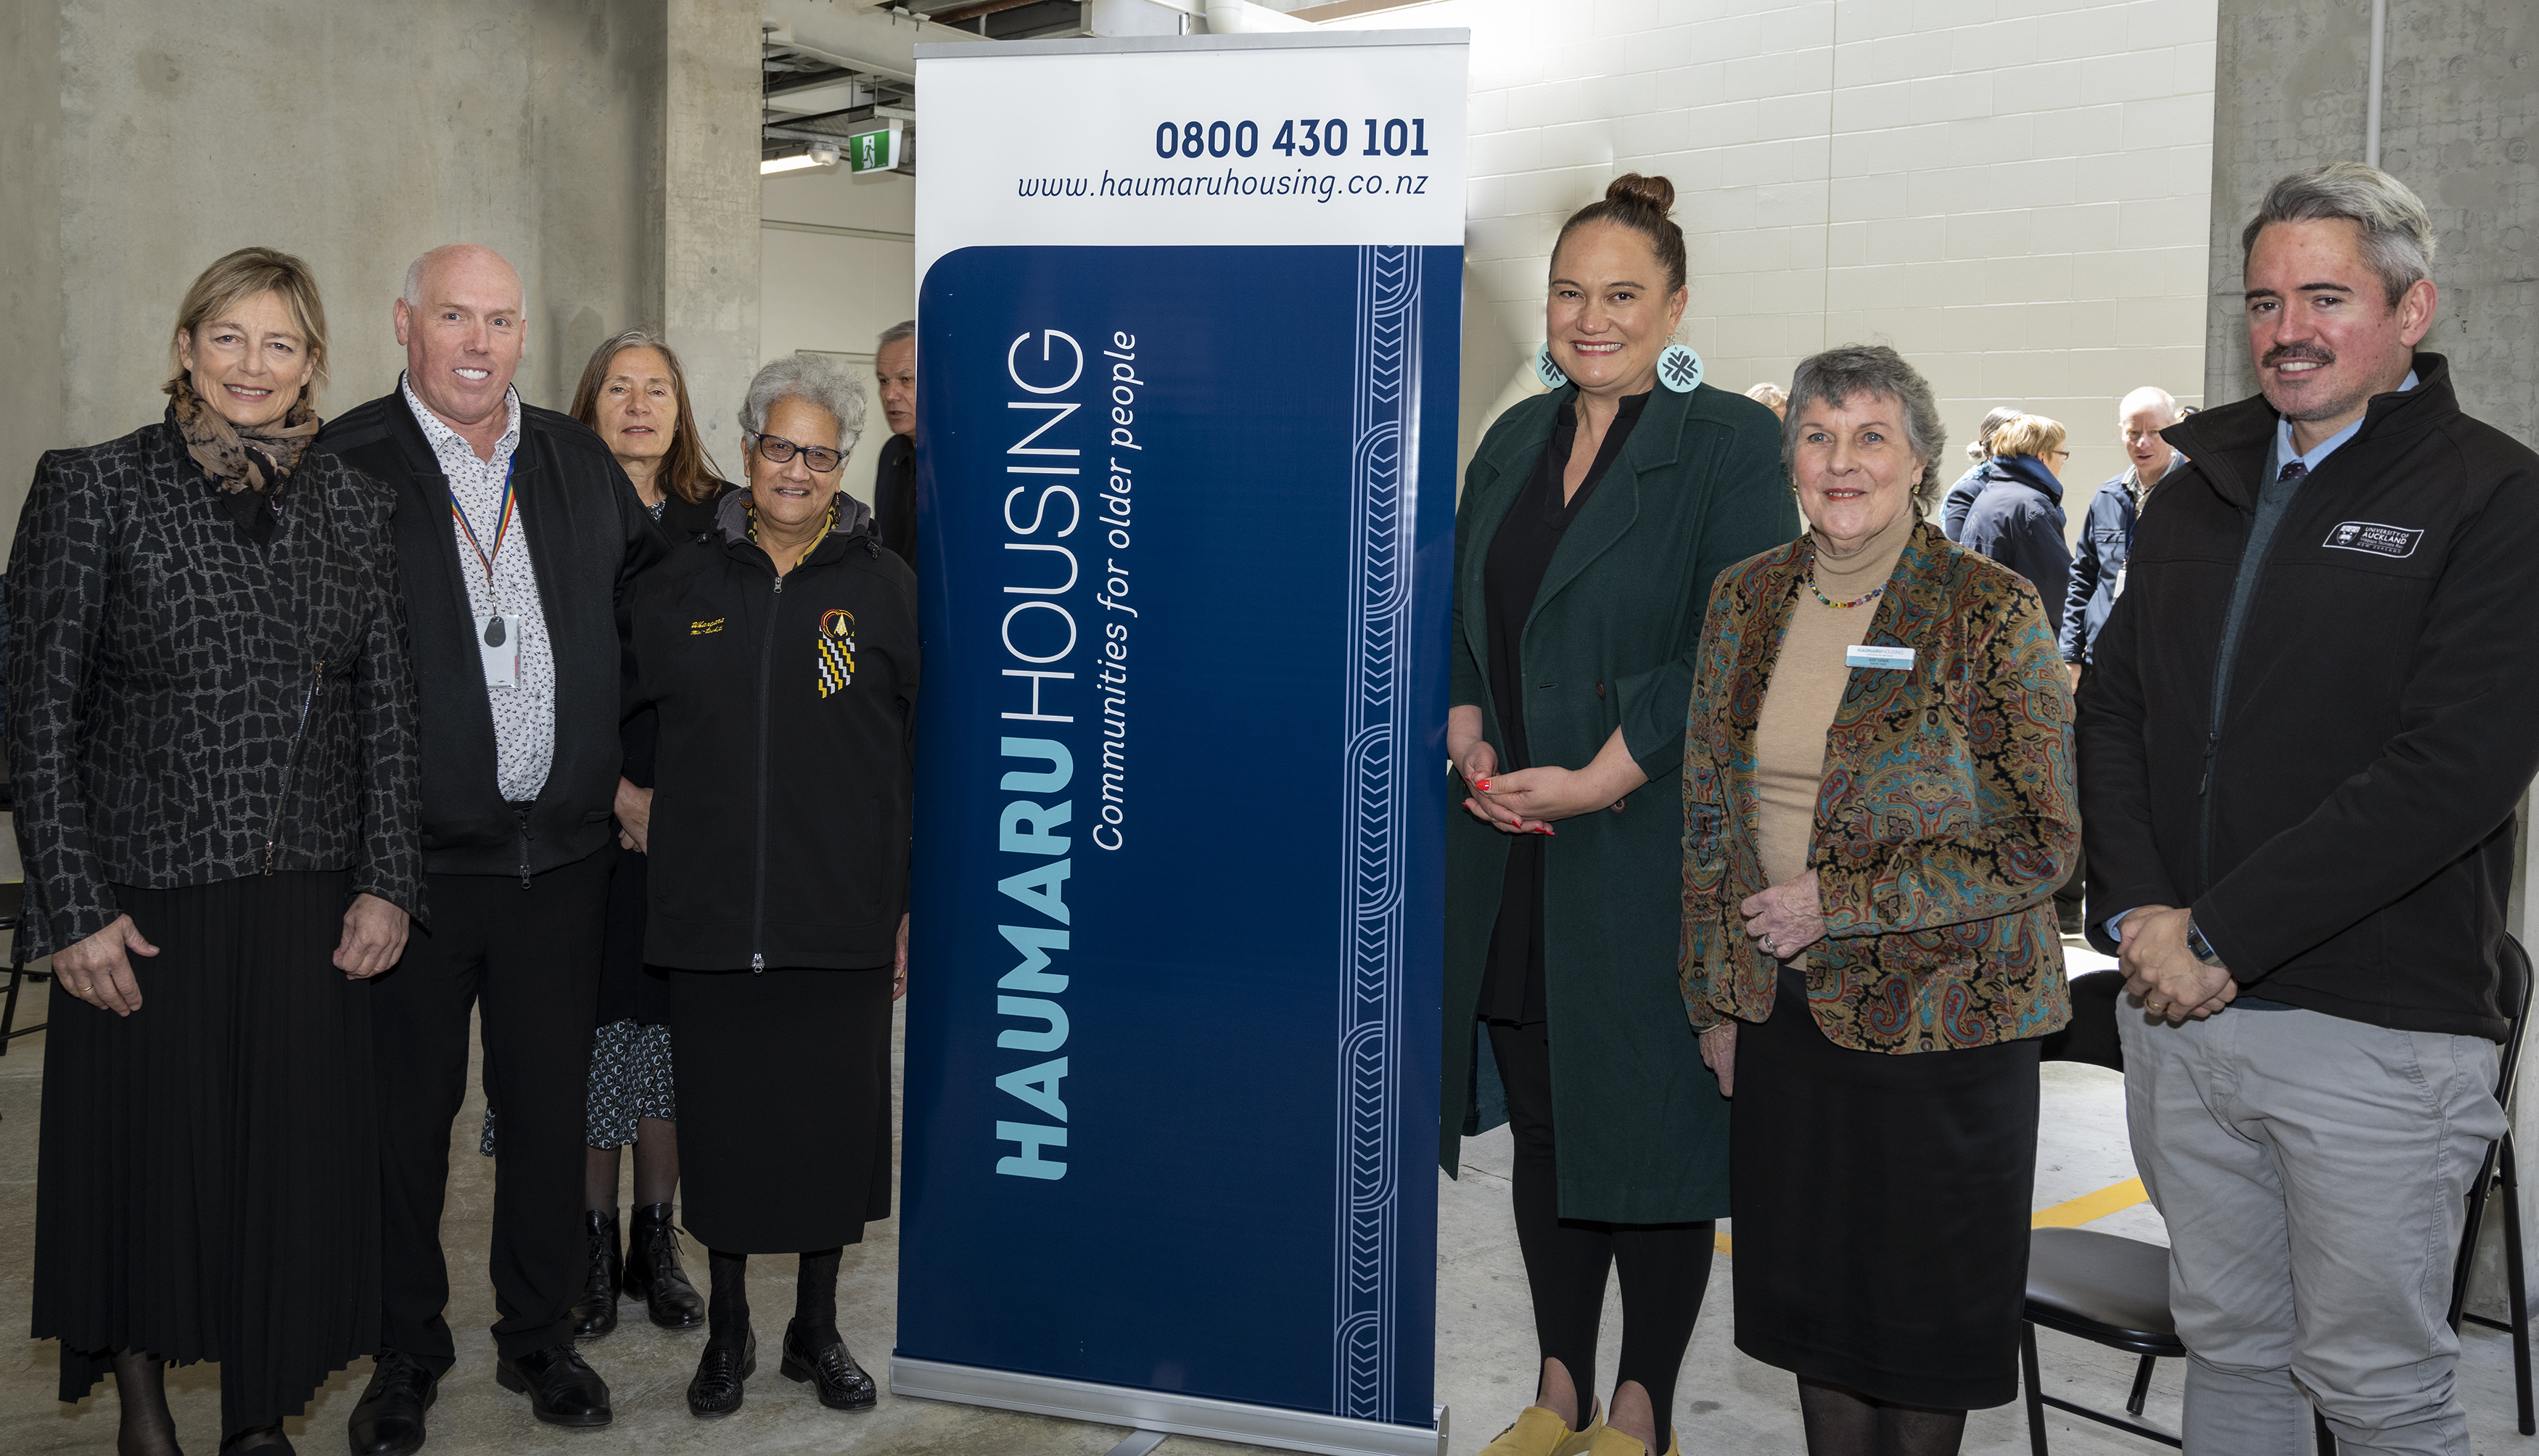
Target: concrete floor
point(1727, 1403)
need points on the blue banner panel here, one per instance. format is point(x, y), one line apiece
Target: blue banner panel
point(1186, 521)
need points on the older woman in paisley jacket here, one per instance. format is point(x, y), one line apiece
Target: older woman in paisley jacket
point(213, 727)
point(1879, 803)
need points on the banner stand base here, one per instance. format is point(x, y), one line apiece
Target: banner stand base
point(1164, 1411)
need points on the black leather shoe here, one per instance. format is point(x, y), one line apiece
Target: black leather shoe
point(717, 1388)
point(563, 1389)
point(388, 1418)
point(841, 1383)
point(261, 1441)
point(653, 1273)
point(596, 1313)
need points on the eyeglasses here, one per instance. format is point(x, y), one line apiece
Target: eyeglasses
point(776, 450)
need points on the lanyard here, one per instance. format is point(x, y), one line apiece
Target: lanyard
point(827, 524)
point(503, 521)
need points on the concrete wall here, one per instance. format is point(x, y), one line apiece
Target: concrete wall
point(2459, 119)
point(2009, 192)
point(32, 394)
point(839, 257)
point(354, 135)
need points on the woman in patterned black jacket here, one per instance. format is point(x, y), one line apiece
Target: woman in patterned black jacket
point(213, 727)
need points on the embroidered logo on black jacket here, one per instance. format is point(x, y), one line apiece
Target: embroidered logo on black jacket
point(2378, 539)
point(837, 649)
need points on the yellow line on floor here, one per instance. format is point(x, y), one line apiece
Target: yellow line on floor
point(2071, 1214)
point(2090, 1205)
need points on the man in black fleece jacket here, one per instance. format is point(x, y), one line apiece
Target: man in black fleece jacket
point(517, 535)
point(2305, 731)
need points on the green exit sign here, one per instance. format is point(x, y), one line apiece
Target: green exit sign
point(877, 150)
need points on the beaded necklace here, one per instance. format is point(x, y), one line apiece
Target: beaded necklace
point(1870, 595)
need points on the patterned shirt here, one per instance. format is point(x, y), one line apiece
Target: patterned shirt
point(523, 714)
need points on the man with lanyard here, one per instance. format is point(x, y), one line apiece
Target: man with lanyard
point(516, 534)
point(2306, 728)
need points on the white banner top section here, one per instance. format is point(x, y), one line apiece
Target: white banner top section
point(1344, 139)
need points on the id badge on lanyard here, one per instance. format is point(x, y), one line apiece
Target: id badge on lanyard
point(498, 633)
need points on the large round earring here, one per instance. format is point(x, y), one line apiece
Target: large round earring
point(1680, 369)
point(1547, 371)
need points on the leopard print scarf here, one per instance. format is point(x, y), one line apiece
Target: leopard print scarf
point(256, 460)
point(248, 469)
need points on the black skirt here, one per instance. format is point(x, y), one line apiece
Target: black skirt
point(208, 1178)
point(784, 1106)
point(1881, 1206)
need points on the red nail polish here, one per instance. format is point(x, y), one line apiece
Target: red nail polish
point(1484, 785)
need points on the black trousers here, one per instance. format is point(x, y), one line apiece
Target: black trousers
point(527, 960)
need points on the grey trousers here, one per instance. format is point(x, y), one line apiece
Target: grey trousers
point(2312, 1172)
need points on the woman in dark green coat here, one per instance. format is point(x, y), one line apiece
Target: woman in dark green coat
point(1591, 522)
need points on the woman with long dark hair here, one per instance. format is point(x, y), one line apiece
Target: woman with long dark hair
point(634, 395)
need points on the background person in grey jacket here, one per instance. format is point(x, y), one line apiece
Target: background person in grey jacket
point(2303, 738)
point(2107, 532)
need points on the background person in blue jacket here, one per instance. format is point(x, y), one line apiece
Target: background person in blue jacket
point(2099, 557)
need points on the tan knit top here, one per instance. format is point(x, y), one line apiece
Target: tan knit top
point(1805, 689)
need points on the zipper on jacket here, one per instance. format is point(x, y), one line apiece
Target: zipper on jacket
point(524, 848)
point(758, 896)
point(291, 768)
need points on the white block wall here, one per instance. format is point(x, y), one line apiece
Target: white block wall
point(2015, 193)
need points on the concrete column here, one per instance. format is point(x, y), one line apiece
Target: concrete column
point(32, 397)
point(710, 210)
point(2459, 121)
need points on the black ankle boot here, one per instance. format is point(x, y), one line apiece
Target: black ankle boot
point(596, 1313)
point(652, 1272)
point(730, 1355)
point(141, 1387)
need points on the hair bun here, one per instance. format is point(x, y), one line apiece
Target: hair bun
point(1632, 189)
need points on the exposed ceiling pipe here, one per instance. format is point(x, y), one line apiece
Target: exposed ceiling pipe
point(2372, 109)
point(973, 12)
point(847, 62)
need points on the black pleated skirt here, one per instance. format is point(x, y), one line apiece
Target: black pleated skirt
point(208, 1181)
point(784, 1106)
point(1882, 1207)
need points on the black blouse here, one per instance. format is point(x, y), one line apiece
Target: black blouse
point(1510, 578)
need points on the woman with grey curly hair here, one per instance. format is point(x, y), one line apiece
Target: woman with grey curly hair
point(1890, 710)
point(782, 660)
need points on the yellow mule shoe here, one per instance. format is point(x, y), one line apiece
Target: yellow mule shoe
point(1607, 1442)
point(1583, 1440)
point(1538, 1432)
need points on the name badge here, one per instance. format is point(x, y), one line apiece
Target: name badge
point(1897, 658)
point(498, 641)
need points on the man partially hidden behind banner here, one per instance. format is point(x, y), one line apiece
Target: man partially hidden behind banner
point(895, 473)
point(2304, 733)
point(520, 515)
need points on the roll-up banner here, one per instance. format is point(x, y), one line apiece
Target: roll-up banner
point(1188, 327)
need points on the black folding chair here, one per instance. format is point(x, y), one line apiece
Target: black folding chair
point(2113, 1290)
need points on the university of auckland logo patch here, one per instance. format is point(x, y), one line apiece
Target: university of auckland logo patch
point(2371, 536)
point(837, 649)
